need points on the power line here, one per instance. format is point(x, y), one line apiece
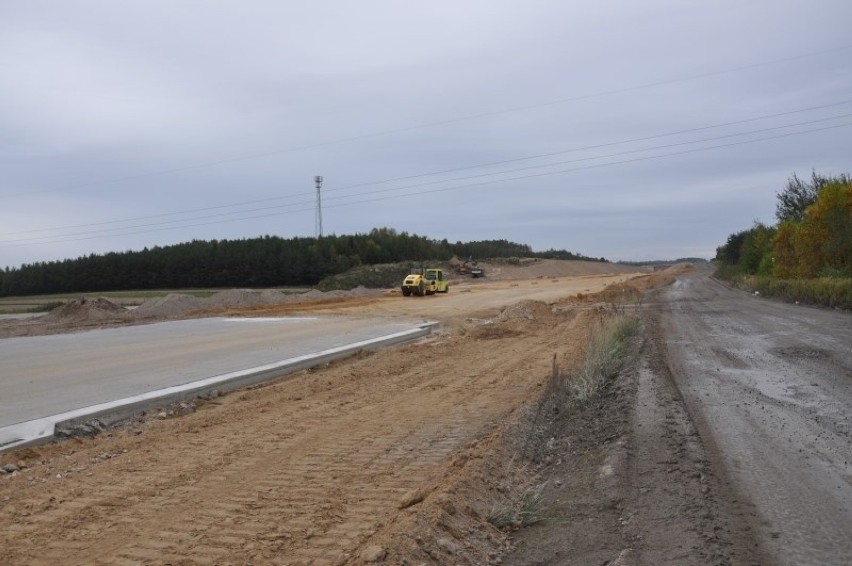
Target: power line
point(470, 117)
point(444, 189)
point(429, 183)
point(602, 145)
point(452, 170)
point(620, 153)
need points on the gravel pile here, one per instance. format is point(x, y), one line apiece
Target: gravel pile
point(173, 304)
point(243, 298)
point(527, 311)
point(84, 310)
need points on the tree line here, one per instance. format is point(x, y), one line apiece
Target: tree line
point(813, 236)
point(266, 261)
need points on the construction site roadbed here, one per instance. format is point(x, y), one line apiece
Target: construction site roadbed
point(451, 449)
point(53, 382)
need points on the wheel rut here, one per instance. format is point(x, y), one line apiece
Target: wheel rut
point(299, 472)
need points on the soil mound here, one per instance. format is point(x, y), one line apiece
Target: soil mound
point(534, 268)
point(176, 305)
point(173, 304)
point(659, 278)
point(85, 310)
point(316, 295)
point(243, 298)
point(361, 291)
point(527, 311)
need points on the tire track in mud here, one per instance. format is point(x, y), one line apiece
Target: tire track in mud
point(767, 384)
point(680, 510)
point(299, 472)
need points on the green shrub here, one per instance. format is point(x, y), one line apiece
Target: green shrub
point(383, 276)
point(835, 292)
point(47, 307)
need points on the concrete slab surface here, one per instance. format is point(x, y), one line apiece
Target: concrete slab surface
point(47, 376)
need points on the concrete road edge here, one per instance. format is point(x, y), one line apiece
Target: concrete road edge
point(42, 430)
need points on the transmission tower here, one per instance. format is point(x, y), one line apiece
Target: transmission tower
point(318, 182)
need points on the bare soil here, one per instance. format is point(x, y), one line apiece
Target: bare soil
point(409, 455)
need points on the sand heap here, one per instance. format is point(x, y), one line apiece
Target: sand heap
point(173, 304)
point(176, 305)
point(243, 298)
point(527, 311)
point(86, 310)
point(358, 291)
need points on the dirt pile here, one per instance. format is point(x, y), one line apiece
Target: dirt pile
point(85, 314)
point(631, 291)
point(177, 305)
point(86, 310)
point(532, 268)
point(359, 291)
point(244, 298)
point(173, 304)
point(527, 311)
point(659, 278)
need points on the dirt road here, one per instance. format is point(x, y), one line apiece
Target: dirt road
point(769, 388)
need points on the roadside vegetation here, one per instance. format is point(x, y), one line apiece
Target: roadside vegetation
point(604, 356)
point(567, 395)
point(45, 307)
point(521, 513)
point(372, 276)
point(268, 261)
point(807, 256)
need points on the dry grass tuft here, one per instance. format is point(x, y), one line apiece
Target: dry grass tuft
point(604, 356)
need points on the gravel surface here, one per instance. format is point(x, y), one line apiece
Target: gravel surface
point(769, 386)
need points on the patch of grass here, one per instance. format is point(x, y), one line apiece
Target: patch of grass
point(379, 276)
point(834, 292)
point(522, 513)
point(727, 272)
point(564, 392)
point(382, 276)
point(604, 357)
point(46, 307)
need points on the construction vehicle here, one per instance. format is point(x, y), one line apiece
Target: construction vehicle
point(470, 267)
point(422, 282)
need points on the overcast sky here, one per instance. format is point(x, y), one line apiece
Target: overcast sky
point(141, 123)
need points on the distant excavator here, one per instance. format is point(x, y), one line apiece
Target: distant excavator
point(470, 267)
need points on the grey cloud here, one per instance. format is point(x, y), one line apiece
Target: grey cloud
point(117, 110)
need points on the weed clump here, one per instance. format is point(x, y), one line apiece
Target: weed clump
point(604, 357)
point(522, 513)
point(832, 292)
